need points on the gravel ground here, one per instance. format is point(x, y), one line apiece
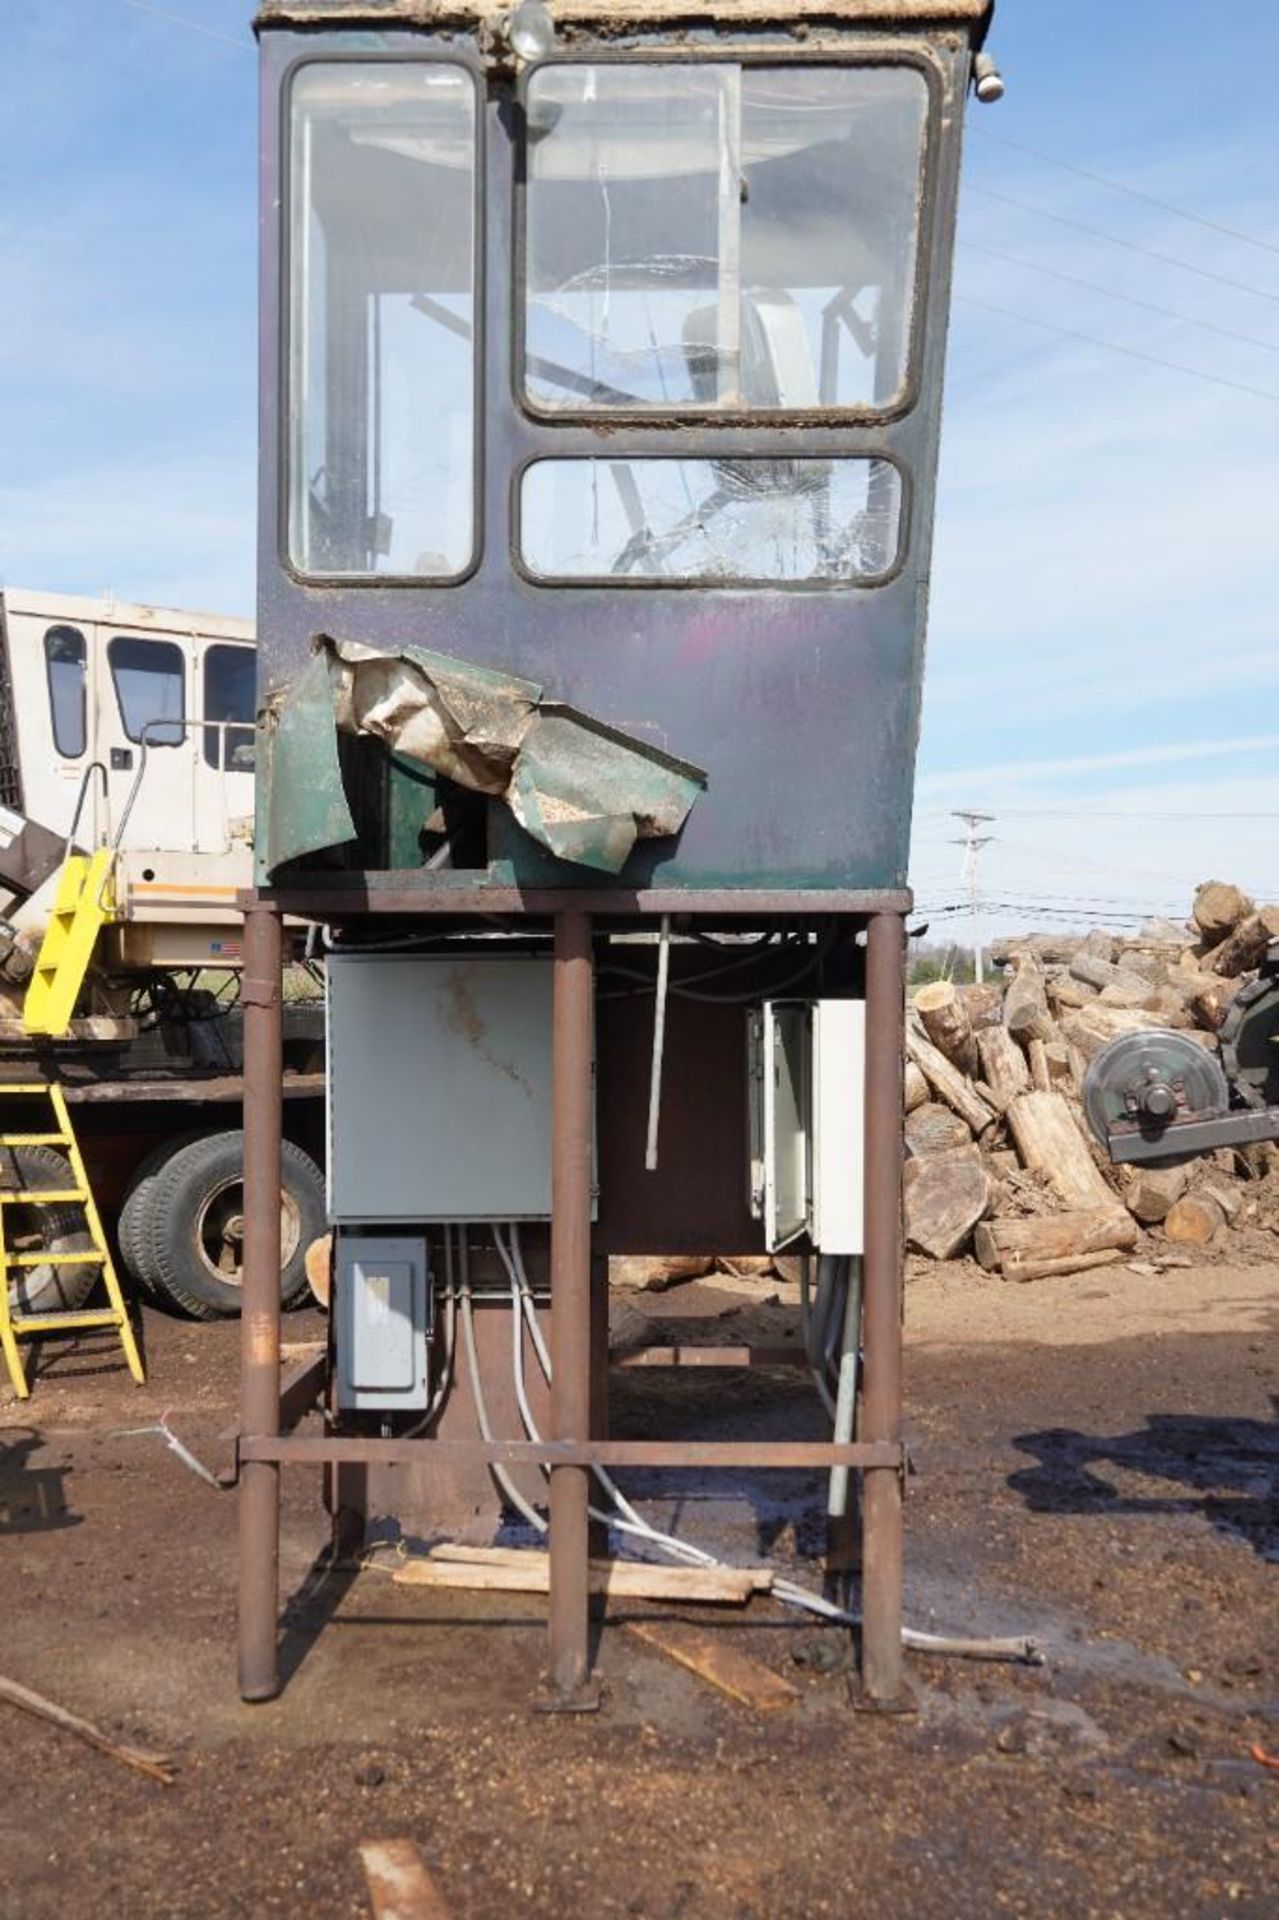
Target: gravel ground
point(1094, 1463)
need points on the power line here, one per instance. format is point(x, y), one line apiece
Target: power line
point(1089, 813)
point(1112, 346)
point(192, 26)
point(1133, 246)
point(1128, 299)
point(1133, 193)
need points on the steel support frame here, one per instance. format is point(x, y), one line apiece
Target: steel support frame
point(265, 1444)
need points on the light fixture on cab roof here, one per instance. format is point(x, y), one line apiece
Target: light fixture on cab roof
point(530, 30)
point(988, 81)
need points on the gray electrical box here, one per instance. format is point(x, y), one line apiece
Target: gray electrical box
point(382, 1321)
point(439, 1088)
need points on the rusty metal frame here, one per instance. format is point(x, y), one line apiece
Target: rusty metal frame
point(269, 1408)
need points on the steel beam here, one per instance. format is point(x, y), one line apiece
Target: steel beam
point(574, 993)
point(262, 997)
point(882, 1310)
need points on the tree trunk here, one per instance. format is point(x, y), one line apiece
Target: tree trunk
point(945, 1020)
point(1003, 1065)
point(1012, 1245)
point(1049, 1142)
point(945, 1197)
point(947, 1082)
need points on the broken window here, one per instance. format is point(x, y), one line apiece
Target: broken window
point(381, 301)
point(721, 238)
point(752, 520)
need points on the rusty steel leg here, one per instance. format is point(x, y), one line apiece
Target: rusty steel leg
point(882, 1279)
point(571, 1309)
point(262, 996)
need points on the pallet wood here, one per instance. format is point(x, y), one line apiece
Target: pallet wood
point(947, 1082)
point(738, 1674)
point(1049, 1142)
point(514, 1570)
point(400, 1886)
point(1052, 1239)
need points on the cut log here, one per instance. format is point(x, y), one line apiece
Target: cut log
point(933, 1128)
point(516, 1570)
point(1219, 908)
point(1064, 994)
point(1048, 949)
point(915, 1088)
point(1099, 973)
point(1003, 1065)
point(653, 1273)
point(947, 1082)
point(1129, 990)
point(1093, 1027)
point(318, 1263)
point(1009, 1244)
point(945, 1021)
point(1210, 1001)
point(1149, 1192)
point(1002, 1162)
point(945, 1196)
point(1026, 1014)
point(1246, 946)
point(1037, 1060)
point(1073, 1263)
point(983, 1004)
point(400, 1886)
point(1049, 1142)
point(1227, 1197)
point(1196, 1219)
point(738, 1674)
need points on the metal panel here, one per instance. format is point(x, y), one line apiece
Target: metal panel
point(439, 1088)
point(838, 1129)
point(381, 1321)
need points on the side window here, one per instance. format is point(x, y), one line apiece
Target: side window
point(66, 663)
point(229, 695)
point(150, 686)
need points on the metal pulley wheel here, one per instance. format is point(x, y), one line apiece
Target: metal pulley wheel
point(1250, 1040)
point(1149, 1079)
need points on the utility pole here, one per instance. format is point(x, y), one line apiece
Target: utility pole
point(972, 843)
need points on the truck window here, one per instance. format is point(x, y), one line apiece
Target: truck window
point(149, 677)
point(66, 662)
point(229, 678)
point(382, 320)
point(720, 238)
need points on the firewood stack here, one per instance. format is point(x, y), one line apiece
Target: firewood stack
point(1000, 1160)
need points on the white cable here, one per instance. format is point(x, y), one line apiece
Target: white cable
point(504, 1481)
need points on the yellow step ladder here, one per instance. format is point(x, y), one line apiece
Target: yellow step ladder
point(84, 903)
point(15, 1326)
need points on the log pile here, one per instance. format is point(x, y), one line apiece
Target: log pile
point(1001, 1163)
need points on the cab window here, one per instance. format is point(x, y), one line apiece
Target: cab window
point(66, 664)
point(149, 677)
point(229, 696)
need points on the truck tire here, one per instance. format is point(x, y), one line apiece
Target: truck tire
point(54, 1229)
point(196, 1204)
point(133, 1228)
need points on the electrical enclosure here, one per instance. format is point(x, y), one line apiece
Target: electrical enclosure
point(382, 1321)
point(806, 1092)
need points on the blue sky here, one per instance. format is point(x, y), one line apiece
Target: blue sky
point(1106, 586)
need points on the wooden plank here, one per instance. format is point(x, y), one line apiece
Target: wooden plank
point(400, 1886)
point(738, 1674)
point(518, 1570)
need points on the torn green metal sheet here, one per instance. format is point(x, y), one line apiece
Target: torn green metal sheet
point(582, 790)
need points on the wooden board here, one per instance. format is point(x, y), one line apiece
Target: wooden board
point(515, 1570)
point(400, 1887)
point(738, 1674)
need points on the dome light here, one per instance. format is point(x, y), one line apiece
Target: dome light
point(530, 30)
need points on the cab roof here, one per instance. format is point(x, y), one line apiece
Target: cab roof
point(619, 16)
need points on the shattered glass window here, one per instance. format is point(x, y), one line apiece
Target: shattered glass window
point(715, 237)
point(382, 320)
point(757, 521)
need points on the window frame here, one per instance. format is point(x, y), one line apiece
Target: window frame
point(222, 729)
point(916, 58)
point(65, 626)
point(709, 583)
point(179, 722)
point(440, 55)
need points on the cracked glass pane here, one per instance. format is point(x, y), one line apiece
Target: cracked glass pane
point(754, 520)
point(721, 238)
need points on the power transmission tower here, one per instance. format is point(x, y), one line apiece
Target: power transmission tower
point(972, 843)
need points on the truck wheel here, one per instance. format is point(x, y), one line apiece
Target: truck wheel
point(133, 1228)
point(196, 1207)
point(36, 1229)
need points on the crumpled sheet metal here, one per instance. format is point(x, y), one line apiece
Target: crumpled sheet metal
point(584, 791)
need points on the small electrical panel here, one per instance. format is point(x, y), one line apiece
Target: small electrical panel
point(806, 1090)
point(382, 1321)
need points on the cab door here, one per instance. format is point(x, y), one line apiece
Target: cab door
point(223, 744)
point(146, 737)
